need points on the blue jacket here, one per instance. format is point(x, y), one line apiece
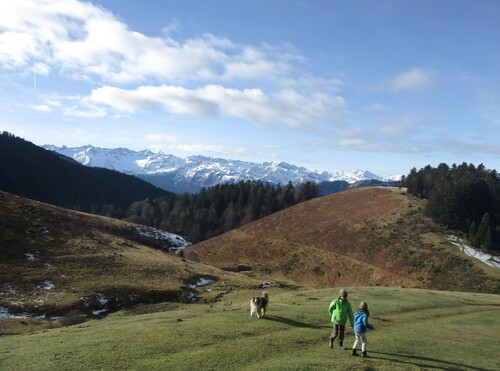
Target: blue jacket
point(361, 321)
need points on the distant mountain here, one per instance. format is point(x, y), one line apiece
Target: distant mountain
point(33, 172)
point(194, 172)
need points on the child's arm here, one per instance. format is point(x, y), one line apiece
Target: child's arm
point(332, 306)
point(350, 315)
point(367, 325)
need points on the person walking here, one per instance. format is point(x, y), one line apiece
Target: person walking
point(340, 309)
point(360, 326)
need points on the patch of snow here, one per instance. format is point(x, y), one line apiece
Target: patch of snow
point(265, 285)
point(99, 312)
point(202, 282)
point(102, 299)
point(488, 259)
point(168, 241)
point(4, 313)
point(30, 257)
point(46, 285)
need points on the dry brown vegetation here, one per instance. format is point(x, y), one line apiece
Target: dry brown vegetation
point(360, 237)
point(54, 260)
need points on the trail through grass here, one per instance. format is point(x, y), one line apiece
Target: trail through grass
point(414, 329)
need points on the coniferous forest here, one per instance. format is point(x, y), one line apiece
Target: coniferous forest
point(217, 209)
point(464, 198)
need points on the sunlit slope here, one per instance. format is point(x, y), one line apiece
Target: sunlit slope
point(363, 236)
point(414, 330)
point(53, 260)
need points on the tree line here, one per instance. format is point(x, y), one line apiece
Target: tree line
point(31, 171)
point(465, 198)
point(217, 209)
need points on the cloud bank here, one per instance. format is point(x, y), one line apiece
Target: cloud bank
point(133, 72)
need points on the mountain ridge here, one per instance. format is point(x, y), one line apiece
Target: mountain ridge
point(371, 236)
point(192, 173)
point(31, 171)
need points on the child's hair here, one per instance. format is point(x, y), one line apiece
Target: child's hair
point(364, 306)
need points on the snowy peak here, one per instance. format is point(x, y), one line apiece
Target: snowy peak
point(201, 171)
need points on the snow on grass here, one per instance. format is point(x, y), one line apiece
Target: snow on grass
point(488, 259)
point(4, 313)
point(168, 241)
point(30, 257)
point(202, 282)
point(46, 285)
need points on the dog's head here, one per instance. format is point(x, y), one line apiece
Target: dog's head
point(265, 295)
point(256, 300)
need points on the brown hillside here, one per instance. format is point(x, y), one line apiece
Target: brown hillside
point(363, 236)
point(53, 260)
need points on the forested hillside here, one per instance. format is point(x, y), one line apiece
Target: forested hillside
point(33, 172)
point(464, 198)
point(217, 209)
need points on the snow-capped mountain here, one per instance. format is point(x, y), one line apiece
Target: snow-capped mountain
point(194, 172)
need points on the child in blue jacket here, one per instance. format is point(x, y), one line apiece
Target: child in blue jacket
point(360, 326)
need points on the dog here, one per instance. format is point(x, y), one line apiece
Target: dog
point(258, 305)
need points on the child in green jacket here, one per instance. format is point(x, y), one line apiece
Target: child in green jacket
point(340, 309)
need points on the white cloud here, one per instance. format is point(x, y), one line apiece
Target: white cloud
point(224, 151)
point(158, 138)
point(363, 145)
point(85, 41)
point(88, 112)
point(415, 79)
point(42, 108)
point(285, 107)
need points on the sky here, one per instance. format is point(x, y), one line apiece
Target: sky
point(383, 85)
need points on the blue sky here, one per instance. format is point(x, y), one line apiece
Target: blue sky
point(330, 85)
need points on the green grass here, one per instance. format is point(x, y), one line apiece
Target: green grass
point(414, 329)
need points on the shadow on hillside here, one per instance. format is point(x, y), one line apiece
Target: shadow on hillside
point(291, 322)
point(421, 361)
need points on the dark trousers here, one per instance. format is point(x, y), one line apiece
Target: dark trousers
point(338, 330)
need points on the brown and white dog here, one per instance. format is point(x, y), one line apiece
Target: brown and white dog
point(258, 305)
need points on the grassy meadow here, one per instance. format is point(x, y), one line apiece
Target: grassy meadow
point(414, 329)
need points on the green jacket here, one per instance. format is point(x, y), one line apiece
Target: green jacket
point(339, 311)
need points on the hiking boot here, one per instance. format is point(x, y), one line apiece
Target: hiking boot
point(354, 352)
point(341, 345)
point(330, 343)
point(364, 355)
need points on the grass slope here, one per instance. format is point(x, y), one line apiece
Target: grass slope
point(83, 257)
point(359, 237)
point(414, 329)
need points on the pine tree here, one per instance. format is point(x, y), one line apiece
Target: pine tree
point(488, 240)
point(480, 237)
point(472, 231)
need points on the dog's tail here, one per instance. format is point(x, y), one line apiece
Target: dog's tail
point(265, 295)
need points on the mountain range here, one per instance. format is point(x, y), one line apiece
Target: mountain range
point(192, 173)
point(30, 171)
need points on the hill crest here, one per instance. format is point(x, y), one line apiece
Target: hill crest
point(53, 260)
point(363, 237)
